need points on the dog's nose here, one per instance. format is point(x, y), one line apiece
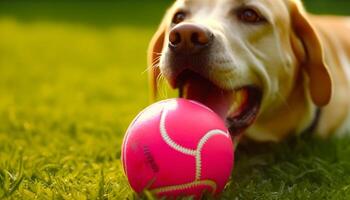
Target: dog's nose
point(189, 38)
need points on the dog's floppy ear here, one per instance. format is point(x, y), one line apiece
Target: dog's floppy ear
point(154, 51)
point(320, 82)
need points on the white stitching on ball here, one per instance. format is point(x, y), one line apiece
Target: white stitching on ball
point(169, 141)
point(201, 143)
point(208, 183)
point(192, 152)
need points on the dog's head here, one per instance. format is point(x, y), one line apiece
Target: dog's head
point(239, 57)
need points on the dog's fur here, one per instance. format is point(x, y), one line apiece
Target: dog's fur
point(301, 62)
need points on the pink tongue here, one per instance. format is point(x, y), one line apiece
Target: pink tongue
point(203, 91)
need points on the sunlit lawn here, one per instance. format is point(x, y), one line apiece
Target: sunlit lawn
point(67, 96)
point(69, 91)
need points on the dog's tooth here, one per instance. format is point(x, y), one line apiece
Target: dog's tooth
point(235, 103)
point(238, 101)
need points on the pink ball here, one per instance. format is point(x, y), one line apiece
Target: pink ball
point(178, 148)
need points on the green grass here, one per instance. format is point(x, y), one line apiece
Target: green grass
point(68, 90)
point(303, 168)
point(67, 96)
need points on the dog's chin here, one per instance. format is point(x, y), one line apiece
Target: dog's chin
point(239, 107)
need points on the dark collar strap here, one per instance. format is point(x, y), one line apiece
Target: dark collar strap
point(315, 122)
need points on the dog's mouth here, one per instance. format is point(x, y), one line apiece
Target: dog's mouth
point(239, 107)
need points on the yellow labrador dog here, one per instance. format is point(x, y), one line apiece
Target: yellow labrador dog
point(267, 67)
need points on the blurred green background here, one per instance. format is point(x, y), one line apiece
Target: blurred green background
point(72, 76)
point(106, 13)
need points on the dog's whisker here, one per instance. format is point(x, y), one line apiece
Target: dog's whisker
point(149, 68)
point(155, 64)
point(156, 60)
point(161, 86)
point(160, 77)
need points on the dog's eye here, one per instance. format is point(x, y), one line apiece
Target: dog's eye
point(179, 17)
point(249, 15)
